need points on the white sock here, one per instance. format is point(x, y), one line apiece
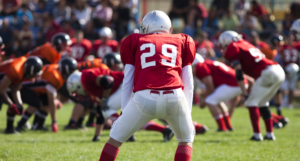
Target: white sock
point(270, 134)
point(258, 135)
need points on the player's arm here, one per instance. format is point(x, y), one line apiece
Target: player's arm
point(208, 82)
point(240, 76)
point(188, 82)
point(16, 95)
point(5, 83)
point(106, 82)
point(51, 95)
point(127, 86)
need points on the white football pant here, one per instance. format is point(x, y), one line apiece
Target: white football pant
point(290, 82)
point(266, 86)
point(145, 106)
point(223, 93)
point(114, 103)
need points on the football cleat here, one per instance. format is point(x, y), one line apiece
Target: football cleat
point(19, 129)
point(167, 134)
point(284, 121)
point(277, 125)
point(270, 138)
point(131, 139)
point(11, 131)
point(40, 128)
point(202, 130)
point(71, 127)
point(253, 138)
point(221, 130)
point(96, 138)
point(89, 124)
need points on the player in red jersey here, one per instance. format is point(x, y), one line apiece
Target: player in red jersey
point(204, 47)
point(81, 47)
point(221, 85)
point(268, 76)
point(157, 67)
point(12, 73)
point(104, 45)
point(41, 94)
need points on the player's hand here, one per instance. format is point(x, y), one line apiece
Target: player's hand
point(16, 109)
point(54, 127)
point(104, 104)
point(246, 97)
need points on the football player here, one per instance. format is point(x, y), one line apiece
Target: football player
point(105, 44)
point(81, 47)
point(12, 73)
point(1, 48)
point(221, 85)
point(51, 53)
point(268, 75)
point(41, 94)
point(276, 41)
point(157, 67)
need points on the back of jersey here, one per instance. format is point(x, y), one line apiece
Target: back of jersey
point(158, 59)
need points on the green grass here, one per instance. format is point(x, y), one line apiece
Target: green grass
point(77, 145)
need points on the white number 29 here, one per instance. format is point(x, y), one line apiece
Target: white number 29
point(165, 47)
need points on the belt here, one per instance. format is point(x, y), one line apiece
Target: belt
point(165, 92)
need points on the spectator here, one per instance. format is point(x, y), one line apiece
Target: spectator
point(7, 36)
point(220, 6)
point(82, 12)
point(102, 14)
point(255, 40)
point(62, 11)
point(93, 3)
point(268, 24)
point(40, 38)
point(24, 14)
point(121, 20)
point(67, 28)
point(10, 7)
point(295, 8)
point(180, 8)
point(204, 47)
point(74, 22)
point(241, 7)
point(51, 28)
point(257, 9)
point(249, 23)
point(198, 12)
point(286, 24)
point(25, 37)
point(229, 21)
point(39, 13)
point(33, 4)
point(89, 32)
point(212, 23)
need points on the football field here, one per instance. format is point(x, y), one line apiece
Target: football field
point(77, 145)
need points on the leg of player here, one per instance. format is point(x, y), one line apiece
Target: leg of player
point(40, 117)
point(99, 124)
point(77, 112)
point(218, 116)
point(291, 98)
point(29, 111)
point(90, 122)
point(278, 101)
point(10, 123)
point(226, 116)
point(232, 104)
point(266, 115)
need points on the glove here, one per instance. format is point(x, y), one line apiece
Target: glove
point(246, 97)
point(16, 109)
point(104, 103)
point(54, 127)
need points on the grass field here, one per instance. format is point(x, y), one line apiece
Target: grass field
point(77, 145)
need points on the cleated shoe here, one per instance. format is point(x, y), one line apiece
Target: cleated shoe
point(71, 127)
point(96, 138)
point(253, 138)
point(273, 138)
point(202, 130)
point(131, 139)
point(167, 134)
point(11, 131)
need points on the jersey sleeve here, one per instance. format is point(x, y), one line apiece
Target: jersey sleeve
point(232, 52)
point(12, 74)
point(202, 70)
point(127, 54)
point(189, 51)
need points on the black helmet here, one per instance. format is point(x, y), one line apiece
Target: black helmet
point(1, 42)
point(33, 67)
point(67, 66)
point(275, 39)
point(60, 38)
point(111, 59)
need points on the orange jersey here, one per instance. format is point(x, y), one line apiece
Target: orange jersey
point(96, 63)
point(269, 53)
point(51, 75)
point(14, 69)
point(47, 53)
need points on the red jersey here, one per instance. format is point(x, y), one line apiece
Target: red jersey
point(252, 60)
point(221, 73)
point(102, 49)
point(14, 69)
point(289, 54)
point(158, 59)
point(202, 48)
point(81, 50)
point(89, 76)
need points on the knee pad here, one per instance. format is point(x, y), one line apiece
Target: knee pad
point(265, 113)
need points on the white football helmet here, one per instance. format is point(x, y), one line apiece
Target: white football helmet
point(198, 59)
point(156, 21)
point(227, 37)
point(296, 28)
point(105, 32)
point(74, 84)
point(292, 69)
